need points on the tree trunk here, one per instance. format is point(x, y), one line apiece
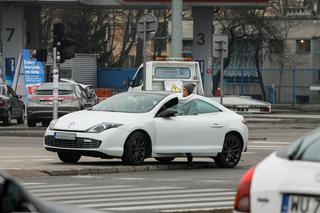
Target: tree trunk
point(258, 68)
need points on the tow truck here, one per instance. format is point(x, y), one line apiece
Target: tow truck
point(170, 75)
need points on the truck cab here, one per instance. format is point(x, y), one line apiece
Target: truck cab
point(167, 76)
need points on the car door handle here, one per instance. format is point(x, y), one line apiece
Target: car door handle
point(216, 126)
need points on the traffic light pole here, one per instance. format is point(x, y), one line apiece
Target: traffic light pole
point(221, 75)
point(55, 84)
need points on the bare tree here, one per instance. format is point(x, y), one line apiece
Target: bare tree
point(253, 26)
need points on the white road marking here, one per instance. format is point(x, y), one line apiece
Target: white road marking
point(78, 189)
point(144, 203)
point(183, 205)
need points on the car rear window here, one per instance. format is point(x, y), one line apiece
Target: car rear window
point(306, 148)
point(47, 89)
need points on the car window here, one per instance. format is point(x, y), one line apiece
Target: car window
point(83, 93)
point(130, 102)
point(11, 93)
point(205, 107)
point(195, 107)
point(138, 79)
point(306, 148)
point(3, 90)
point(47, 89)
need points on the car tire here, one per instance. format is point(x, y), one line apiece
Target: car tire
point(21, 119)
point(165, 160)
point(69, 157)
point(7, 120)
point(31, 123)
point(135, 149)
point(231, 152)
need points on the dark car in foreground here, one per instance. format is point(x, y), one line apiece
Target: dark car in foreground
point(14, 198)
point(71, 98)
point(11, 107)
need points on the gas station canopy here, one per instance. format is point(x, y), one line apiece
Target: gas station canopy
point(150, 3)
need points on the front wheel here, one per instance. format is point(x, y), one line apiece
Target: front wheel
point(21, 119)
point(231, 152)
point(69, 157)
point(7, 121)
point(165, 159)
point(135, 149)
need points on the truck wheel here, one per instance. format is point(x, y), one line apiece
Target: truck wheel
point(231, 152)
point(69, 157)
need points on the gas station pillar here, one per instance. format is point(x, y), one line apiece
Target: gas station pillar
point(202, 43)
point(21, 28)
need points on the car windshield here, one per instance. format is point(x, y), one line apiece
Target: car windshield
point(130, 102)
point(47, 89)
point(306, 148)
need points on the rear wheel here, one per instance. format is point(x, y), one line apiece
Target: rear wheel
point(231, 152)
point(21, 119)
point(165, 160)
point(68, 157)
point(135, 149)
point(7, 120)
point(31, 123)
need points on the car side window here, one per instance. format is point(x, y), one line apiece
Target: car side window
point(11, 93)
point(138, 79)
point(195, 107)
point(83, 93)
point(204, 107)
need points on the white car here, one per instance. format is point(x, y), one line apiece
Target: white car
point(134, 126)
point(287, 181)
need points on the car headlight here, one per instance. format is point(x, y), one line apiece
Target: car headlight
point(52, 123)
point(102, 127)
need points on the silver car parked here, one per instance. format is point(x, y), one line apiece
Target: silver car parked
point(72, 97)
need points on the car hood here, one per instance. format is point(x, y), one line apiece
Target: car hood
point(85, 119)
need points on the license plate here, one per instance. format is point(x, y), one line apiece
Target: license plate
point(300, 204)
point(47, 102)
point(65, 135)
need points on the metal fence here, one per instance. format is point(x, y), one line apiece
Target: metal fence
point(282, 86)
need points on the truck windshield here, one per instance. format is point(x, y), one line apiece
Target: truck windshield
point(172, 72)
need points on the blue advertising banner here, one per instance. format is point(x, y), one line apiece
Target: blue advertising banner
point(10, 70)
point(33, 72)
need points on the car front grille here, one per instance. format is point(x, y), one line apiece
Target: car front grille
point(81, 143)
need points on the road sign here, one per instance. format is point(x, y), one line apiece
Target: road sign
point(148, 23)
point(220, 46)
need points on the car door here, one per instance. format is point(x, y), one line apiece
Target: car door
point(201, 133)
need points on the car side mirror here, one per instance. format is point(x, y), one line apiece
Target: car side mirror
point(167, 113)
point(128, 83)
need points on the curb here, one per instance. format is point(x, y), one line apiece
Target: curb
point(107, 170)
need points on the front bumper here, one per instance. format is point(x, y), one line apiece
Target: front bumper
point(108, 143)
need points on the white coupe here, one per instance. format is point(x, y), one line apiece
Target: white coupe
point(134, 126)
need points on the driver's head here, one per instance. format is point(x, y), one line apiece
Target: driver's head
point(188, 89)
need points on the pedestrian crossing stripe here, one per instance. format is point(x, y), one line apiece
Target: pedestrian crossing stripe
point(174, 88)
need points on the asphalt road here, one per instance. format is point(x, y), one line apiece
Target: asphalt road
point(163, 188)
